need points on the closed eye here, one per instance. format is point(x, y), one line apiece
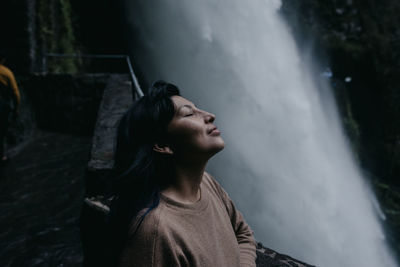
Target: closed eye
point(186, 110)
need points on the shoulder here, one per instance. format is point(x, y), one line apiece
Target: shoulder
point(144, 233)
point(209, 181)
point(158, 225)
point(146, 225)
point(153, 242)
point(5, 71)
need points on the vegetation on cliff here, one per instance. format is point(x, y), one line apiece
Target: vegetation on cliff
point(55, 33)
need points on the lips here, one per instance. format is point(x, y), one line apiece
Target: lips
point(213, 131)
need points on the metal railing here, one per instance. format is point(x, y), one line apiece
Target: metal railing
point(135, 88)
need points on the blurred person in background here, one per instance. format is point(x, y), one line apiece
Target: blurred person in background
point(9, 102)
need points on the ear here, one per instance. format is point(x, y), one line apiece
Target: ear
point(163, 149)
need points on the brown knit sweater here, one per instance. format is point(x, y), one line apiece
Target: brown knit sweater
point(210, 232)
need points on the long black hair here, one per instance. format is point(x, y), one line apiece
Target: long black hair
point(139, 171)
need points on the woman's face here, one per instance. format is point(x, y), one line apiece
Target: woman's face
point(192, 133)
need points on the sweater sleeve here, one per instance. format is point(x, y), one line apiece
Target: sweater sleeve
point(243, 232)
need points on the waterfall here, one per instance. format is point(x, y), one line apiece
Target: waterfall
point(287, 163)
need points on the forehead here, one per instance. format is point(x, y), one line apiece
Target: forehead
point(180, 101)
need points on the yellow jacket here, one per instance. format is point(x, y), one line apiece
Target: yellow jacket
point(8, 80)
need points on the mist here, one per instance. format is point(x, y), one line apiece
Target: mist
point(287, 163)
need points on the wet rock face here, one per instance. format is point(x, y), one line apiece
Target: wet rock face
point(15, 36)
point(269, 258)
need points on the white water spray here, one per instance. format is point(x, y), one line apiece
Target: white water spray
point(287, 164)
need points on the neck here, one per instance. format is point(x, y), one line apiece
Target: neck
point(185, 186)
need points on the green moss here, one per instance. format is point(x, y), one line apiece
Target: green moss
point(56, 34)
point(352, 129)
point(45, 16)
point(67, 41)
point(350, 125)
point(390, 200)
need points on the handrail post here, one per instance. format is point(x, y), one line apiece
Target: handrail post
point(134, 80)
point(44, 63)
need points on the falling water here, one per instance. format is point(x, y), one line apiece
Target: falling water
point(287, 163)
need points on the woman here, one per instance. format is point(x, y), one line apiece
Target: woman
point(168, 211)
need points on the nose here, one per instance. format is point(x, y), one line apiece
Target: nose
point(209, 117)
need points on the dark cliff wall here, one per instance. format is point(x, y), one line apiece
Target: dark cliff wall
point(31, 28)
point(15, 34)
point(99, 30)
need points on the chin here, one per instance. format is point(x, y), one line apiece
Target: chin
point(219, 145)
point(222, 145)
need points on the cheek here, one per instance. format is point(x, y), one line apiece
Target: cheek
point(190, 137)
point(186, 132)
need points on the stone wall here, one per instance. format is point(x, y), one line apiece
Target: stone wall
point(57, 103)
point(66, 103)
